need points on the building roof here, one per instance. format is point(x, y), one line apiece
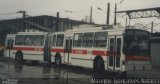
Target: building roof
point(50, 17)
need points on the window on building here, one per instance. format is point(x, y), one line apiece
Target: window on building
point(60, 39)
point(78, 40)
point(54, 40)
point(100, 39)
point(19, 40)
point(38, 40)
point(28, 40)
point(88, 39)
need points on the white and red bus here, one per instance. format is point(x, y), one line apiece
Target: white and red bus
point(29, 46)
point(113, 48)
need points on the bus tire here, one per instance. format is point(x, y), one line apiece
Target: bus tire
point(58, 59)
point(2, 53)
point(98, 65)
point(19, 57)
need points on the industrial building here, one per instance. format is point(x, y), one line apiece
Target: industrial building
point(41, 23)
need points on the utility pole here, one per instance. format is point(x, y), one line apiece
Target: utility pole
point(115, 17)
point(152, 27)
point(23, 13)
point(91, 15)
point(24, 16)
point(108, 14)
point(57, 22)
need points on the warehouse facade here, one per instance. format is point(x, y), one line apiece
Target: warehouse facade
point(53, 24)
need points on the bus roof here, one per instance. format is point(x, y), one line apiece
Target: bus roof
point(32, 33)
point(92, 29)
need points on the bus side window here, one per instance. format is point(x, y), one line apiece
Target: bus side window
point(19, 40)
point(100, 39)
point(28, 40)
point(78, 40)
point(54, 40)
point(38, 40)
point(60, 39)
point(88, 39)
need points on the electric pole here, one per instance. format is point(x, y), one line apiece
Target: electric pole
point(91, 15)
point(108, 14)
point(24, 16)
point(152, 27)
point(57, 22)
point(23, 13)
point(115, 17)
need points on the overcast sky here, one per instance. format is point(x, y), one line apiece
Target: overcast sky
point(79, 8)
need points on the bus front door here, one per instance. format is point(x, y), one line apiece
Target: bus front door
point(68, 49)
point(114, 52)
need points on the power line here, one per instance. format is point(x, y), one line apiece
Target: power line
point(8, 13)
point(145, 25)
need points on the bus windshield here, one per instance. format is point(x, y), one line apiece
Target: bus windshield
point(136, 45)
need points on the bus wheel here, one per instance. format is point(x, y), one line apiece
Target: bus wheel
point(2, 53)
point(98, 65)
point(58, 59)
point(19, 57)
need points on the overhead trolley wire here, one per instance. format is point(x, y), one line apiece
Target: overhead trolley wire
point(7, 13)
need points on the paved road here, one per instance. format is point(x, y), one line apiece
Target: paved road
point(41, 74)
point(30, 73)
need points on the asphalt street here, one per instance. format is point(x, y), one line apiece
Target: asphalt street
point(44, 73)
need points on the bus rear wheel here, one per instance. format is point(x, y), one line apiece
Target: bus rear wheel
point(19, 57)
point(58, 59)
point(98, 65)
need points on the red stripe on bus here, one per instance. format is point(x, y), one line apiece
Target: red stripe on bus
point(28, 48)
point(98, 52)
point(57, 50)
point(140, 58)
point(76, 51)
